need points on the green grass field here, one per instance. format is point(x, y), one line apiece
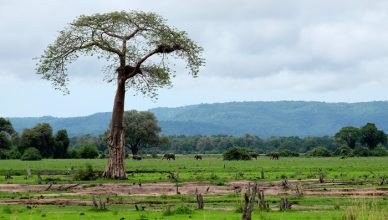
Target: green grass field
point(353, 173)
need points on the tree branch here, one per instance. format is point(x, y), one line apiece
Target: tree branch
point(163, 48)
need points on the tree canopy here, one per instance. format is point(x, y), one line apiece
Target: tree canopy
point(371, 136)
point(128, 38)
point(348, 135)
point(140, 129)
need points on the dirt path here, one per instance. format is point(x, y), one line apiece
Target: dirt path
point(309, 188)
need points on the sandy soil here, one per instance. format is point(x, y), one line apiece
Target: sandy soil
point(309, 188)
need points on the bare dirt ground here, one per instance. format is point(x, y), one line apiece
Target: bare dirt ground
point(308, 188)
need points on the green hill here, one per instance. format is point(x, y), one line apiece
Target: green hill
point(265, 119)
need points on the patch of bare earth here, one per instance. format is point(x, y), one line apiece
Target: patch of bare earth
point(309, 188)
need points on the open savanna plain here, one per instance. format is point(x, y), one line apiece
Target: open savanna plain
point(352, 188)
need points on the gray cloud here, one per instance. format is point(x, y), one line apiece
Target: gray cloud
point(311, 46)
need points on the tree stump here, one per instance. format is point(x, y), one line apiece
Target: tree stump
point(39, 179)
point(263, 205)
point(321, 178)
point(285, 204)
point(262, 173)
point(200, 201)
point(249, 198)
point(29, 173)
point(8, 175)
point(285, 184)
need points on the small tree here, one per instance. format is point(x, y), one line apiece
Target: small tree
point(88, 152)
point(379, 151)
point(6, 132)
point(236, 153)
point(344, 151)
point(40, 137)
point(319, 152)
point(361, 152)
point(140, 129)
point(61, 144)
point(348, 135)
point(31, 154)
point(136, 45)
point(371, 136)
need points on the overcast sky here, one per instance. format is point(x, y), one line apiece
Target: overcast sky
point(333, 51)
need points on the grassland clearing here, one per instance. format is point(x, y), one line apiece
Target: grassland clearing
point(149, 192)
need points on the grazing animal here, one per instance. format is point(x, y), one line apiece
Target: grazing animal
point(253, 154)
point(169, 156)
point(136, 157)
point(275, 156)
point(198, 157)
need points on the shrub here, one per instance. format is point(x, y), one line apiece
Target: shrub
point(88, 152)
point(236, 153)
point(73, 154)
point(86, 174)
point(361, 152)
point(14, 154)
point(288, 153)
point(379, 151)
point(31, 154)
point(183, 209)
point(344, 151)
point(3, 154)
point(319, 152)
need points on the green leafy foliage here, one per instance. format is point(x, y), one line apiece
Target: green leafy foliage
point(348, 135)
point(344, 151)
point(31, 154)
point(288, 153)
point(14, 154)
point(379, 151)
point(61, 144)
point(141, 130)
point(88, 152)
point(319, 152)
point(39, 137)
point(361, 152)
point(6, 131)
point(371, 136)
point(236, 153)
point(125, 37)
point(86, 174)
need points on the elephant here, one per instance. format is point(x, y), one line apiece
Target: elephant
point(198, 157)
point(275, 156)
point(169, 156)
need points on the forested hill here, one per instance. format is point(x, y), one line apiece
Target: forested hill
point(264, 119)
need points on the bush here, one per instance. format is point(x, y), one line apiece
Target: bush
point(14, 154)
point(288, 153)
point(319, 152)
point(344, 151)
point(73, 154)
point(3, 154)
point(361, 152)
point(88, 152)
point(379, 151)
point(31, 154)
point(236, 153)
point(86, 174)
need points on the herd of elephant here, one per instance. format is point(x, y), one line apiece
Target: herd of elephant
point(171, 156)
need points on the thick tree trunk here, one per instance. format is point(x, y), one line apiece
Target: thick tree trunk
point(134, 150)
point(115, 168)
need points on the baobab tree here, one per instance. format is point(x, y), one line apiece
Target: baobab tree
point(136, 46)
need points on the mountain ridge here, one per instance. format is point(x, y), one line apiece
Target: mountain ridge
point(261, 118)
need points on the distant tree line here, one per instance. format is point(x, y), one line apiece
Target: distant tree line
point(142, 135)
point(39, 142)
